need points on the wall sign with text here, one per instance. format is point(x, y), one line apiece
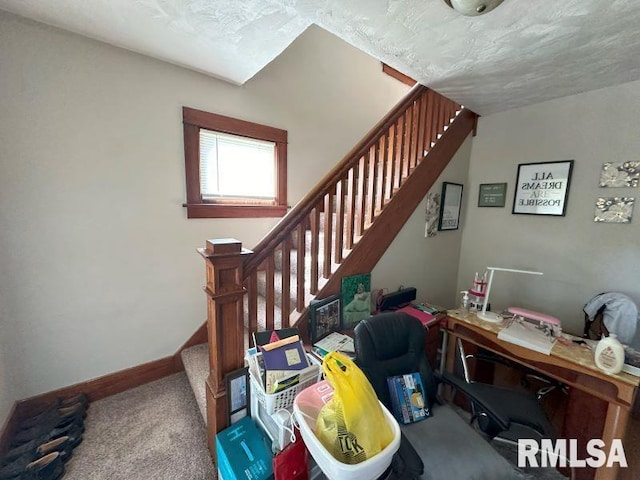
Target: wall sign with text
point(492, 194)
point(542, 188)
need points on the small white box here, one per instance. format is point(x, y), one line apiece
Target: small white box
point(276, 425)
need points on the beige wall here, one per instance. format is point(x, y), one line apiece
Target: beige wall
point(429, 264)
point(579, 258)
point(99, 269)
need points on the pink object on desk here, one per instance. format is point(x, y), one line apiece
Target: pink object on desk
point(541, 317)
point(427, 319)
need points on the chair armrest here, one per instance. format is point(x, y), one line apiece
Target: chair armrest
point(481, 394)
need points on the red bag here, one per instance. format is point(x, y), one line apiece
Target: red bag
point(292, 462)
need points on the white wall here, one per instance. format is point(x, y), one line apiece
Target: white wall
point(99, 269)
point(429, 264)
point(579, 258)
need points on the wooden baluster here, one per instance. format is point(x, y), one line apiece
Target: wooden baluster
point(421, 127)
point(391, 145)
point(439, 121)
point(362, 194)
point(428, 107)
point(328, 232)
point(434, 117)
point(415, 120)
point(315, 244)
point(380, 165)
point(269, 270)
point(285, 306)
point(252, 300)
point(339, 240)
point(301, 246)
point(444, 119)
point(351, 208)
point(399, 150)
point(372, 177)
point(406, 140)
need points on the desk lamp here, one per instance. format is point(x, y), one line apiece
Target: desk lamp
point(491, 316)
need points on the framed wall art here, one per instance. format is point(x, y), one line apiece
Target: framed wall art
point(450, 203)
point(492, 194)
point(620, 174)
point(614, 209)
point(325, 316)
point(542, 188)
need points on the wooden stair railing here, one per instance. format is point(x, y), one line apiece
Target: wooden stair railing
point(342, 227)
point(341, 210)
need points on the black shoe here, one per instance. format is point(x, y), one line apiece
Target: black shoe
point(55, 415)
point(38, 448)
point(72, 400)
point(47, 432)
point(49, 467)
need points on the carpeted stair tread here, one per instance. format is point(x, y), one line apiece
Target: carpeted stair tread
point(196, 365)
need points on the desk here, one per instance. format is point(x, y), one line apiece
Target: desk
point(573, 366)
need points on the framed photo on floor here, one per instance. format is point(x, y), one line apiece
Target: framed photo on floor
point(238, 394)
point(356, 299)
point(325, 316)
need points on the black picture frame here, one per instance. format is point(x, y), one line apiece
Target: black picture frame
point(238, 394)
point(492, 194)
point(542, 188)
point(325, 316)
point(450, 206)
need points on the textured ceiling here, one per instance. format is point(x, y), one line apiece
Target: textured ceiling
point(523, 52)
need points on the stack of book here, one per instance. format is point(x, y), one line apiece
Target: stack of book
point(279, 360)
point(334, 342)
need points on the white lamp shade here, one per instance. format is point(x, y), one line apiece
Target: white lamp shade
point(474, 7)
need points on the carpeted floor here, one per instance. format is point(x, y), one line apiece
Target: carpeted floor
point(156, 432)
point(151, 432)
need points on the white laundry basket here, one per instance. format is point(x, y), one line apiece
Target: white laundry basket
point(306, 407)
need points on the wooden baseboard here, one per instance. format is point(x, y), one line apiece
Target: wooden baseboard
point(100, 387)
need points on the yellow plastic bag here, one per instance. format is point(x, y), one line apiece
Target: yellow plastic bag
point(352, 425)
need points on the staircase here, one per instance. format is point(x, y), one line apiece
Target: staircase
point(342, 227)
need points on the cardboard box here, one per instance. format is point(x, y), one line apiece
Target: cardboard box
point(243, 453)
point(408, 398)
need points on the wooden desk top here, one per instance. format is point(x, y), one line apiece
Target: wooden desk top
point(573, 365)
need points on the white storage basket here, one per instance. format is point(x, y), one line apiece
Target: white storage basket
point(284, 399)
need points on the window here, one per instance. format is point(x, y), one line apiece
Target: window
point(233, 168)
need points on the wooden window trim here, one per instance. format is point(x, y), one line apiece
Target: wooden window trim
point(193, 120)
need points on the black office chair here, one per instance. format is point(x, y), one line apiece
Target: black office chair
point(391, 344)
point(499, 411)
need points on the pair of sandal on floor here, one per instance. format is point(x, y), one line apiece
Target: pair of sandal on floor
point(43, 443)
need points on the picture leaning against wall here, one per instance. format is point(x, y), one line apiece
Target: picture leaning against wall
point(356, 298)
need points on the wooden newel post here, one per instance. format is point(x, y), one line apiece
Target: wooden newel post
point(225, 320)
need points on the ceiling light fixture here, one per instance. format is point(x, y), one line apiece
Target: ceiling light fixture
point(473, 8)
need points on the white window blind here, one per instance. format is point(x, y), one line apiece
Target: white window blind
point(236, 167)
